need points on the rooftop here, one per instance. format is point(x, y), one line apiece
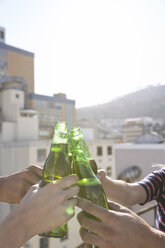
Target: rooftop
point(15, 49)
point(149, 138)
point(55, 98)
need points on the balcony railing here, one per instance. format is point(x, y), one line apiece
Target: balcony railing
point(146, 209)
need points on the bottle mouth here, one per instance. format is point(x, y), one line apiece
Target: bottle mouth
point(76, 132)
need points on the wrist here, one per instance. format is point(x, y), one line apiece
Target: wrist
point(14, 225)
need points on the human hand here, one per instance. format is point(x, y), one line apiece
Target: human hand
point(50, 203)
point(106, 182)
point(39, 211)
point(118, 227)
point(127, 194)
point(15, 186)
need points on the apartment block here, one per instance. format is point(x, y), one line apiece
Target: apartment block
point(52, 109)
point(134, 127)
point(17, 72)
point(103, 153)
point(16, 62)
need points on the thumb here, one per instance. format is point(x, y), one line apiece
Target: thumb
point(101, 175)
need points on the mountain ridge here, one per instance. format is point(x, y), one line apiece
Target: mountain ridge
point(149, 101)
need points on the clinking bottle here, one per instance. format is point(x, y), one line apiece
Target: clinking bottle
point(90, 186)
point(57, 166)
point(76, 139)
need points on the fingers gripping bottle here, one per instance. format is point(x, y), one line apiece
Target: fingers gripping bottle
point(57, 166)
point(77, 140)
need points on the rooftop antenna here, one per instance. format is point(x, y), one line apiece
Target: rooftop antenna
point(2, 34)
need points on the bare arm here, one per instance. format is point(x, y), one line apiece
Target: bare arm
point(127, 194)
point(40, 210)
point(118, 227)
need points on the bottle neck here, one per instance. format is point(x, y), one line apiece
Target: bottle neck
point(82, 167)
point(87, 153)
point(59, 148)
point(78, 142)
point(59, 138)
point(60, 135)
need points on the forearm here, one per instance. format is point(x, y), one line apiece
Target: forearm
point(14, 231)
point(121, 192)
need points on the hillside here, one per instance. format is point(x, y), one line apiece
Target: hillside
point(146, 102)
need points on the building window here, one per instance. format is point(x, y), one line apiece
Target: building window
point(3, 65)
point(109, 171)
point(41, 155)
point(24, 114)
point(58, 105)
point(109, 150)
point(44, 243)
point(99, 151)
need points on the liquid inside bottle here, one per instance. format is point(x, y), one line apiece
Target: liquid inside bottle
point(90, 186)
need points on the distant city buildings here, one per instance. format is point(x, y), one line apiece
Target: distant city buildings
point(52, 109)
point(134, 127)
point(103, 153)
point(104, 128)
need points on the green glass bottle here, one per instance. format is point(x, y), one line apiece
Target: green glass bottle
point(57, 166)
point(90, 186)
point(77, 140)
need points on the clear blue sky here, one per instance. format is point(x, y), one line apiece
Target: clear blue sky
point(92, 50)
